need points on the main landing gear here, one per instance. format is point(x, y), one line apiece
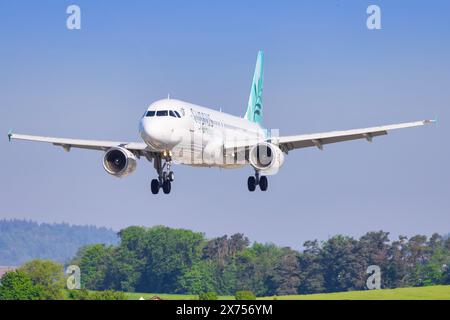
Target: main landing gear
point(165, 175)
point(256, 180)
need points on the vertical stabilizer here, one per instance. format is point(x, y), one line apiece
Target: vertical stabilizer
point(255, 103)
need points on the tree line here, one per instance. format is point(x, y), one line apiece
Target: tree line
point(22, 241)
point(167, 260)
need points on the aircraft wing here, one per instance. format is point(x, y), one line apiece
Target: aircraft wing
point(288, 143)
point(138, 148)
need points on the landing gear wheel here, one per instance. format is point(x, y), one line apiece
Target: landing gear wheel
point(263, 183)
point(165, 175)
point(166, 186)
point(251, 183)
point(155, 186)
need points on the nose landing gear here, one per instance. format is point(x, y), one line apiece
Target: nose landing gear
point(165, 175)
point(256, 180)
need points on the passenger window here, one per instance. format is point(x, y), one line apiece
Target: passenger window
point(172, 114)
point(161, 113)
point(177, 114)
point(150, 113)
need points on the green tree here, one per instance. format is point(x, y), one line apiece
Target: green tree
point(223, 249)
point(371, 249)
point(436, 241)
point(342, 267)
point(48, 276)
point(446, 243)
point(93, 262)
point(446, 275)
point(198, 279)
point(254, 268)
point(434, 270)
point(416, 254)
point(124, 270)
point(395, 273)
point(226, 277)
point(17, 285)
point(208, 296)
point(244, 295)
point(285, 276)
point(162, 259)
point(108, 295)
point(132, 238)
point(167, 253)
point(311, 269)
point(83, 294)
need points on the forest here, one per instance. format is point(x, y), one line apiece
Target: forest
point(21, 241)
point(166, 260)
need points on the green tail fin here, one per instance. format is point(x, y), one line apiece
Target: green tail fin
point(255, 103)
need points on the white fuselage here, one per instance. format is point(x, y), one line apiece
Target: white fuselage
point(195, 135)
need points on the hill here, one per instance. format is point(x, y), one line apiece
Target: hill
point(21, 241)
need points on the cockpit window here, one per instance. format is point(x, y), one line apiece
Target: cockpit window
point(161, 113)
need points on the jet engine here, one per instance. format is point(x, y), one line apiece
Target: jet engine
point(266, 157)
point(119, 162)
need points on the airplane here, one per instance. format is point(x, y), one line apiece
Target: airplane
point(179, 132)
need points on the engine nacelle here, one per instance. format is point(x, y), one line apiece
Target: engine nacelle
point(119, 162)
point(266, 157)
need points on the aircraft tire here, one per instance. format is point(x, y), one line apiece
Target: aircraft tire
point(251, 183)
point(167, 186)
point(155, 186)
point(263, 183)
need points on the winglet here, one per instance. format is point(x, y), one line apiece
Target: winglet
point(10, 135)
point(435, 121)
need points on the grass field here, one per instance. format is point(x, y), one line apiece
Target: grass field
point(165, 296)
point(422, 293)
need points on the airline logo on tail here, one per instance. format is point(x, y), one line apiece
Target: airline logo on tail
point(255, 103)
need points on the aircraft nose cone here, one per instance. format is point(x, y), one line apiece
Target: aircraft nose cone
point(158, 134)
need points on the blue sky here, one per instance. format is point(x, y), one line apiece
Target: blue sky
point(324, 71)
